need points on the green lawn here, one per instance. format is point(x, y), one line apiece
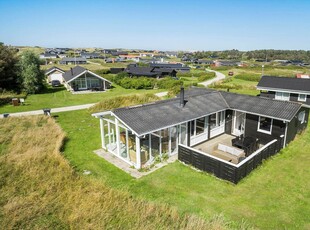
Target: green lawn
point(273, 70)
point(60, 97)
point(274, 196)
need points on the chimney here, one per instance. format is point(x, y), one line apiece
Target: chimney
point(182, 101)
point(71, 71)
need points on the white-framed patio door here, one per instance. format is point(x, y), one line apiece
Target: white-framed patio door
point(238, 123)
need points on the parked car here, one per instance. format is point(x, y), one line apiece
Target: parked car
point(56, 83)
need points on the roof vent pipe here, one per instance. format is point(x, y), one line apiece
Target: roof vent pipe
point(182, 101)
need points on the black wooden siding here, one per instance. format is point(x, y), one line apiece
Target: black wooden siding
point(293, 96)
point(295, 126)
point(223, 170)
point(251, 124)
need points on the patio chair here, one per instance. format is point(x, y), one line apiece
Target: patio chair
point(234, 141)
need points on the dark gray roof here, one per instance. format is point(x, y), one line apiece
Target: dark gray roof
point(283, 110)
point(286, 83)
point(164, 65)
point(53, 69)
point(73, 72)
point(49, 54)
point(158, 115)
point(89, 54)
point(154, 116)
point(72, 59)
point(163, 70)
point(140, 71)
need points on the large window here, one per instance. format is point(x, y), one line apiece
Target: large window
point(217, 119)
point(264, 125)
point(79, 83)
point(200, 125)
point(213, 121)
point(302, 97)
point(282, 96)
point(93, 82)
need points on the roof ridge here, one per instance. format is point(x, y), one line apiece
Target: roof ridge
point(146, 104)
point(224, 99)
point(265, 98)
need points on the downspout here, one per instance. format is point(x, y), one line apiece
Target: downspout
point(284, 142)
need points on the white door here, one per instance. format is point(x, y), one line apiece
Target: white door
point(56, 76)
point(239, 123)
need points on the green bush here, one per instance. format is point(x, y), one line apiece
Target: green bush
point(168, 83)
point(102, 71)
point(226, 86)
point(137, 83)
point(246, 77)
point(206, 76)
point(118, 77)
point(122, 101)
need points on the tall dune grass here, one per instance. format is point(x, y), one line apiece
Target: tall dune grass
point(39, 189)
point(122, 101)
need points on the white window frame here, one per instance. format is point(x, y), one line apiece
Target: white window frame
point(283, 96)
point(302, 116)
point(264, 131)
point(300, 99)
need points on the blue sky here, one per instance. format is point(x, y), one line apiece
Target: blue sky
point(162, 25)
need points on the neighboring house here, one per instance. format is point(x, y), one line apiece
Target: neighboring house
point(171, 54)
point(116, 70)
point(90, 55)
point(117, 53)
point(285, 89)
point(128, 57)
point(201, 127)
point(205, 62)
point(54, 73)
point(178, 67)
point(305, 76)
point(146, 54)
point(73, 61)
point(48, 55)
point(62, 55)
point(80, 79)
point(109, 51)
point(226, 63)
point(154, 72)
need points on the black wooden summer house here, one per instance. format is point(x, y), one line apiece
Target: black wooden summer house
point(285, 89)
point(222, 133)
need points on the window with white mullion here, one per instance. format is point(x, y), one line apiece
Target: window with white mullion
point(302, 97)
point(265, 125)
point(282, 96)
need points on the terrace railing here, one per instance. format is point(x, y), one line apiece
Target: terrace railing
point(224, 169)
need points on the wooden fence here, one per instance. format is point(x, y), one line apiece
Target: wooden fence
point(224, 169)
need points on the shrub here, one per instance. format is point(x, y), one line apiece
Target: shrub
point(102, 71)
point(118, 77)
point(168, 83)
point(226, 86)
point(206, 76)
point(122, 101)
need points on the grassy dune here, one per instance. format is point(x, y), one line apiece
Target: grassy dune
point(39, 189)
point(274, 196)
